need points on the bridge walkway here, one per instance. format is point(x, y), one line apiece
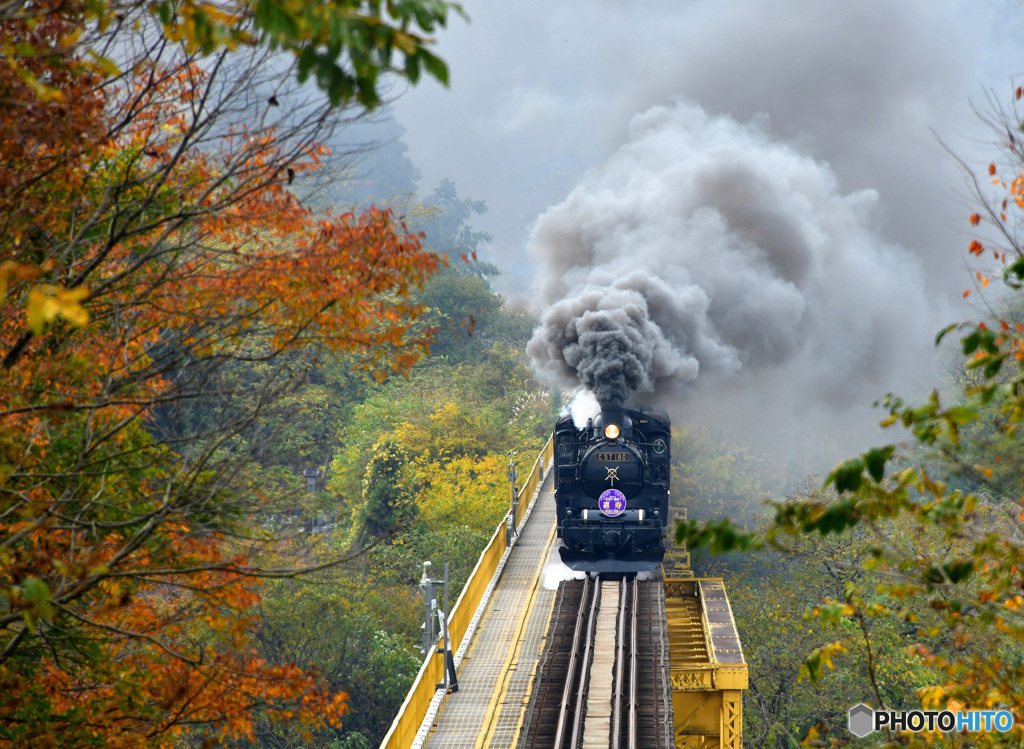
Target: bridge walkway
point(496, 675)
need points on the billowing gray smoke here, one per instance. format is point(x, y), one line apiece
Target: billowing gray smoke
point(704, 253)
point(609, 339)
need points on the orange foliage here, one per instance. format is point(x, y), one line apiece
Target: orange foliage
point(132, 257)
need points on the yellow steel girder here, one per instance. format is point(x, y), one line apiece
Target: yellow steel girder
point(707, 668)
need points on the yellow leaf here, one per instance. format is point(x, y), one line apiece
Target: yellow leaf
point(105, 64)
point(43, 92)
point(46, 302)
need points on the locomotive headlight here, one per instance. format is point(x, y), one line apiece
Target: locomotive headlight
point(611, 431)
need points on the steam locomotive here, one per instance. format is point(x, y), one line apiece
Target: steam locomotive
point(611, 490)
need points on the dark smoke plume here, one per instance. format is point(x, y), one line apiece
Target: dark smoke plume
point(611, 350)
point(609, 340)
point(704, 254)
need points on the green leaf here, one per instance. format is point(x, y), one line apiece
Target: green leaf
point(38, 596)
point(960, 571)
point(719, 537)
point(980, 338)
point(993, 366)
point(36, 591)
point(961, 414)
point(1016, 268)
point(307, 59)
point(108, 66)
point(875, 460)
point(164, 12)
point(954, 572)
point(971, 342)
point(988, 393)
point(412, 68)
point(435, 66)
point(847, 476)
point(942, 333)
point(830, 613)
point(837, 517)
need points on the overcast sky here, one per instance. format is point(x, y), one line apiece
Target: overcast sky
point(808, 131)
point(542, 92)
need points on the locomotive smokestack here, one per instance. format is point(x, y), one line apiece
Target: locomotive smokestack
point(613, 417)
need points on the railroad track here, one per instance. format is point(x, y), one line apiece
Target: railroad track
point(601, 674)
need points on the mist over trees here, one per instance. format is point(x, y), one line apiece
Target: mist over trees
point(181, 336)
point(909, 558)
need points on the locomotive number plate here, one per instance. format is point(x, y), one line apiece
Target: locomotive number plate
point(612, 457)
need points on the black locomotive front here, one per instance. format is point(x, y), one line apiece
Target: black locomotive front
point(611, 490)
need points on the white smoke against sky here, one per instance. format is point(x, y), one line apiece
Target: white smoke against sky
point(854, 99)
point(541, 92)
point(706, 258)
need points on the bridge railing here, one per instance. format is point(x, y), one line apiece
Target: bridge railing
point(414, 709)
point(542, 461)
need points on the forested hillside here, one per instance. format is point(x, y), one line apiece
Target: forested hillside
point(412, 469)
point(897, 580)
point(189, 322)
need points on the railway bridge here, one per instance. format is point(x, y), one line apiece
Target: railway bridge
point(605, 663)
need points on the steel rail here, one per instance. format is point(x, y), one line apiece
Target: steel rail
point(581, 691)
point(633, 666)
point(571, 670)
point(620, 661)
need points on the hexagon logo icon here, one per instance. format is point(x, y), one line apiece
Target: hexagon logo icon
point(861, 720)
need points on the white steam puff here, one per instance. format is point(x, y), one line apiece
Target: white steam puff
point(555, 572)
point(581, 407)
point(703, 252)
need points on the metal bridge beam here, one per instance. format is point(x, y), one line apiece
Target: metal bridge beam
point(707, 668)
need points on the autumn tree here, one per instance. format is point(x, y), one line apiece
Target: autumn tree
point(455, 420)
point(388, 497)
point(957, 482)
point(349, 47)
point(162, 291)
